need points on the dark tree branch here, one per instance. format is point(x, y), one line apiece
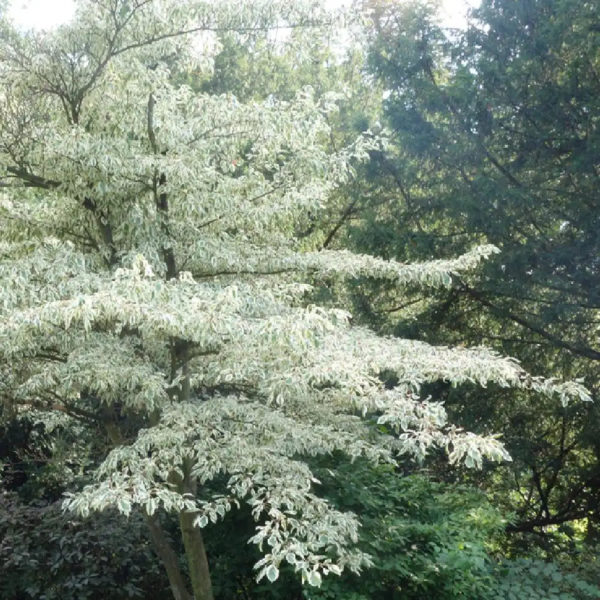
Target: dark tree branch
point(556, 341)
point(343, 218)
point(32, 180)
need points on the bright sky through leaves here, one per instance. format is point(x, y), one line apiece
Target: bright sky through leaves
point(44, 14)
point(41, 14)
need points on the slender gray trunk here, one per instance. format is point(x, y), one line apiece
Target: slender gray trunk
point(196, 556)
point(168, 558)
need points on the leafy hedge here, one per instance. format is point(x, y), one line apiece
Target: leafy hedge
point(45, 554)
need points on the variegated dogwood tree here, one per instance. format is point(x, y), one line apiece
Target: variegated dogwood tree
point(153, 284)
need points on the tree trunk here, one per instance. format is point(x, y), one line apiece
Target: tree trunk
point(196, 557)
point(168, 558)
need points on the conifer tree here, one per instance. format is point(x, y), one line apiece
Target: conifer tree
point(153, 284)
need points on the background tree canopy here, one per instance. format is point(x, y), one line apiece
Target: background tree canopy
point(193, 195)
point(496, 139)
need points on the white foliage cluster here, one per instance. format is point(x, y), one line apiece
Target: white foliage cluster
point(113, 175)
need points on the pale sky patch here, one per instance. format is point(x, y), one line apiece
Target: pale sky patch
point(41, 14)
point(45, 14)
point(454, 12)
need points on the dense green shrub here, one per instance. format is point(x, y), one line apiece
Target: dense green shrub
point(46, 554)
point(525, 579)
point(427, 539)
